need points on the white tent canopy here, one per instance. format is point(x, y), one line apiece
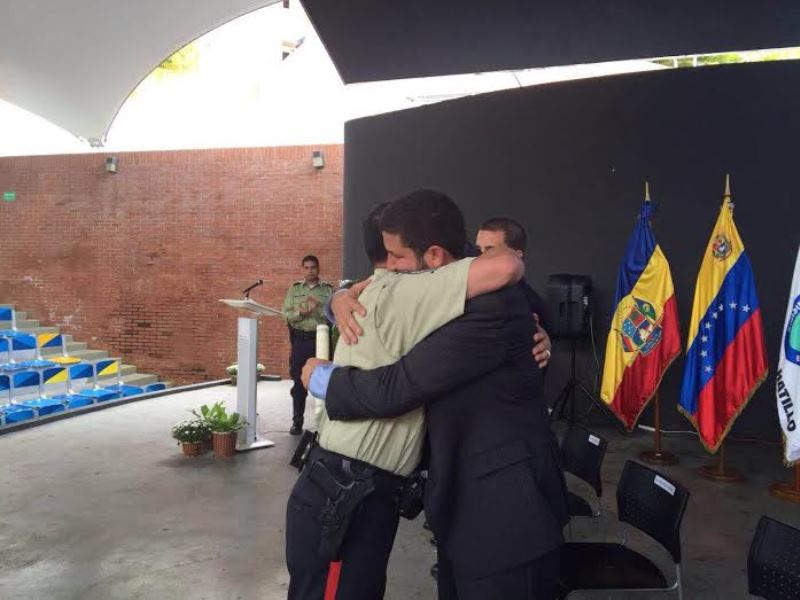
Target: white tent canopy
point(75, 62)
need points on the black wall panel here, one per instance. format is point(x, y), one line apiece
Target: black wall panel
point(390, 39)
point(569, 160)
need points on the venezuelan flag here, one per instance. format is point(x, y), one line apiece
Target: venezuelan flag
point(644, 337)
point(726, 356)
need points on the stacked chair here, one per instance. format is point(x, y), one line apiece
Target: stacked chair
point(582, 455)
point(773, 565)
point(654, 505)
point(41, 361)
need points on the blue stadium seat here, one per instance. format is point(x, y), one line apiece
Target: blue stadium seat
point(44, 404)
point(16, 341)
point(106, 366)
point(120, 387)
point(12, 412)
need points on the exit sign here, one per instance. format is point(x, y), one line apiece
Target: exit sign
point(9, 196)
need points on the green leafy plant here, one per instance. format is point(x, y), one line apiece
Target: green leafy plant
point(219, 420)
point(191, 432)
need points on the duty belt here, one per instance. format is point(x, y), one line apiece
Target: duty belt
point(349, 469)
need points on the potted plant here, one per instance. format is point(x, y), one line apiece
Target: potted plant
point(233, 371)
point(224, 427)
point(192, 436)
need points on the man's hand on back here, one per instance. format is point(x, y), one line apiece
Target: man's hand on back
point(345, 306)
point(542, 345)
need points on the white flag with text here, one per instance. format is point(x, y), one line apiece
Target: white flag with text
point(788, 380)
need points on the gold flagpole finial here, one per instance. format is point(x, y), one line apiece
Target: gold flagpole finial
point(646, 191)
point(727, 195)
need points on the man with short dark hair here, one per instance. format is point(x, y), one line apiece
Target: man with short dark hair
point(336, 539)
point(503, 232)
point(513, 235)
point(495, 497)
point(302, 309)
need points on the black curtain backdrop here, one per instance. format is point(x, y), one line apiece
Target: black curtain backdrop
point(569, 160)
point(389, 39)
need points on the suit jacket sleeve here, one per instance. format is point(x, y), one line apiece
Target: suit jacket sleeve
point(453, 355)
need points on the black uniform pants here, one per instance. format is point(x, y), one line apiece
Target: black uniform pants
point(364, 553)
point(303, 347)
point(534, 580)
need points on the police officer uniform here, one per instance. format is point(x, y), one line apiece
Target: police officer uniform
point(495, 496)
point(402, 309)
point(302, 335)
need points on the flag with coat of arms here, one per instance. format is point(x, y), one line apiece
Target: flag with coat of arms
point(726, 357)
point(644, 337)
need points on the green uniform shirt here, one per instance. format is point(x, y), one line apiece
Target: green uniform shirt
point(297, 298)
point(402, 309)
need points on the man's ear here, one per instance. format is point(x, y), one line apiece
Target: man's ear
point(520, 254)
point(434, 257)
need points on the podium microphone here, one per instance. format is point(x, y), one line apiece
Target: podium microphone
point(246, 292)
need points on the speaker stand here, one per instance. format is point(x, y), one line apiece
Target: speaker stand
point(565, 402)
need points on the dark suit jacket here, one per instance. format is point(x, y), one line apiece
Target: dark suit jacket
point(536, 304)
point(495, 496)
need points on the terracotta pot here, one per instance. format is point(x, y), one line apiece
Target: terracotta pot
point(192, 448)
point(224, 443)
point(233, 380)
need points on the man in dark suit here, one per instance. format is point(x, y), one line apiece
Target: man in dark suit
point(495, 496)
point(503, 232)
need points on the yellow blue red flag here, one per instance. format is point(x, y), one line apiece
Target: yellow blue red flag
point(644, 337)
point(726, 356)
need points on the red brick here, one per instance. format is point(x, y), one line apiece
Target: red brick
point(134, 263)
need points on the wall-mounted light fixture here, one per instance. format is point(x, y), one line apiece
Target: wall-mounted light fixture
point(111, 164)
point(317, 159)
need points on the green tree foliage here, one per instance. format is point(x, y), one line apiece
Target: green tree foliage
point(184, 60)
point(723, 58)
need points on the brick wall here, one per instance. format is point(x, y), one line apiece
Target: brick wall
point(134, 263)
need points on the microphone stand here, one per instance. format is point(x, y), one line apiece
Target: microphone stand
point(246, 291)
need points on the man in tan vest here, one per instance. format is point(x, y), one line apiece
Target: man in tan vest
point(402, 309)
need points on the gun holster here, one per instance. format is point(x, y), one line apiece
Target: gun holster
point(342, 501)
point(307, 441)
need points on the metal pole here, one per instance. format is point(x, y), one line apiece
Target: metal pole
point(657, 422)
point(658, 456)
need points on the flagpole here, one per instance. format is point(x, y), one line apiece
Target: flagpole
point(720, 471)
point(786, 490)
point(658, 456)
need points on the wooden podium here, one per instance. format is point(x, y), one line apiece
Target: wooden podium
point(246, 358)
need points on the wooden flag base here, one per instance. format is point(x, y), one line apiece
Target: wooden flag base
point(786, 490)
point(657, 456)
point(654, 457)
point(720, 471)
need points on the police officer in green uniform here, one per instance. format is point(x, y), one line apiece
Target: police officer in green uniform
point(344, 509)
point(302, 309)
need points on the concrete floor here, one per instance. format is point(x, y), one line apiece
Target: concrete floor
point(103, 506)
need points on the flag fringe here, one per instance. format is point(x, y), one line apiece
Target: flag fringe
point(693, 420)
point(788, 463)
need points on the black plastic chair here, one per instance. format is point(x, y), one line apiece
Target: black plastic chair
point(582, 455)
point(773, 565)
point(654, 505)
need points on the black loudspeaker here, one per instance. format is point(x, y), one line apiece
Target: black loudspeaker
point(569, 298)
